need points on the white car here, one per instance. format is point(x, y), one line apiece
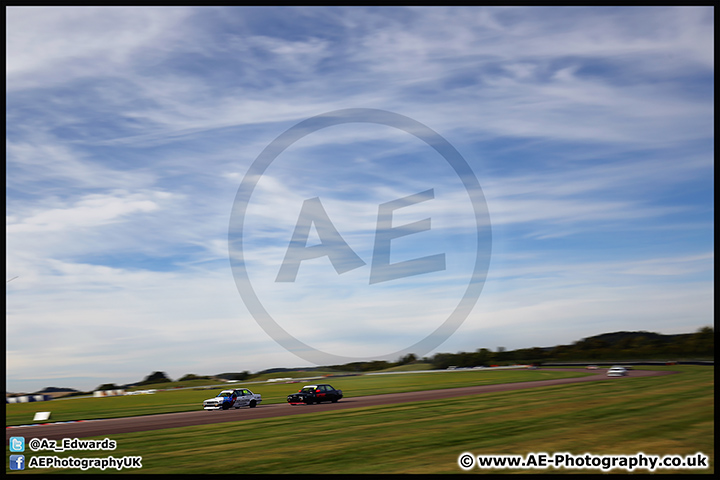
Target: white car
point(616, 372)
point(236, 398)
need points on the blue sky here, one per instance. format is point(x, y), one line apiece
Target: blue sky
point(130, 130)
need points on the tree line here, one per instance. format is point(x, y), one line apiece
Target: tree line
point(618, 346)
point(609, 347)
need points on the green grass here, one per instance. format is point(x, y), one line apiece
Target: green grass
point(253, 378)
point(655, 415)
point(171, 401)
point(410, 367)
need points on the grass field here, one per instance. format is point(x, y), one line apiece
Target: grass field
point(191, 399)
point(654, 415)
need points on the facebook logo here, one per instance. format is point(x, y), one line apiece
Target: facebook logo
point(17, 462)
point(17, 444)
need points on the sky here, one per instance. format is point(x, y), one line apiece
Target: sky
point(219, 189)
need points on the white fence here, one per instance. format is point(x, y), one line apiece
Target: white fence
point(108, 393)
point(28, 398)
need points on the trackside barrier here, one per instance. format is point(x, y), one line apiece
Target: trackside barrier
point(28, 398)
point(141, 392)
point(108, 393)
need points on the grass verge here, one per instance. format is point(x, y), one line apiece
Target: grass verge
point(171, 401)
point(654, 415)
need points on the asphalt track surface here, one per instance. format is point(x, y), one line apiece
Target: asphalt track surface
point(107, 427)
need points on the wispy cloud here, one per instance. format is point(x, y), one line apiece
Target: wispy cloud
point(93, 210)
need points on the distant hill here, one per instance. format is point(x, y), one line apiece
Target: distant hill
point(57, 390)
point(281, 370)
point(617, 337)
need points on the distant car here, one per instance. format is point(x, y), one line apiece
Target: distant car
point(236, 398)
point(310, 394)
point(592, 367)
point(616, 372)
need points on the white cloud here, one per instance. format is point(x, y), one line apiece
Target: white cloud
point(42, 158)
point(50, 45)
point(93, 210)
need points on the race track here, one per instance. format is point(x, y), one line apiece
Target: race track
point(95, 428)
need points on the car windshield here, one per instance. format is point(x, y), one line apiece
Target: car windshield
point(308, 389)
point(225, 394)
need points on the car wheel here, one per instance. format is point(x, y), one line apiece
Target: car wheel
point(308, 402)
point(334, 400)
point(253, 403)
point(225, 407)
